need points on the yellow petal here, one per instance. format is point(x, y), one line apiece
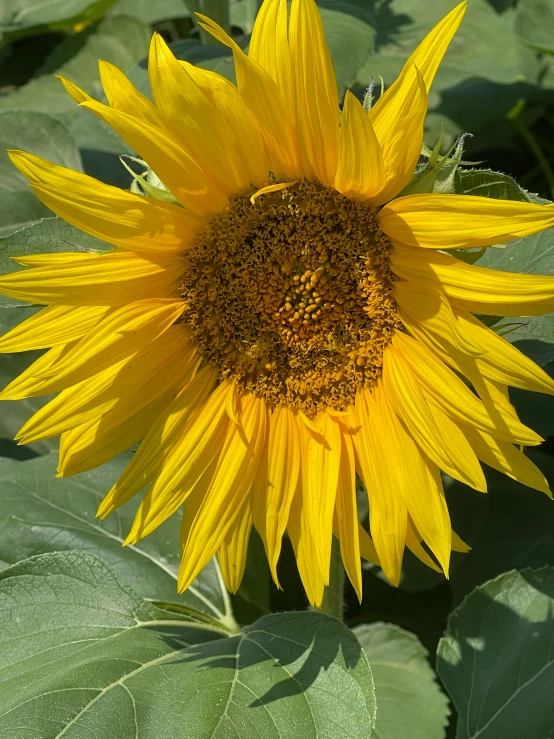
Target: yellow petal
point(228, 490)
point(116, 216)
point(157, 443)
point(317, 104)
point(26, 385)
point(507, 459)
point(124, 96)
point(413, 542)
point(185, 177)
point(476, 289)
point(303, 544)
point(398, 125)
point(123, 332)
point(428, 55)
point(59, 324)
point(388, 514)
point(234, 548)
point(361, 172)
point(443, 388)
point(347, 514)
point(320, 475)
point(269, 46)
point(195, 448)
point(458, 544)
point(439, 221)
point(127, 384)
point(493, 394)
point(426, 304)
point(442, 442)
point(92, 444)
point(263, 99)
point(185, 107)
point(282, 479)
point(503, 362)
point(417, 480)
point(114, 278)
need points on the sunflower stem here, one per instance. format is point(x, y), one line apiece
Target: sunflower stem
point(333, 596)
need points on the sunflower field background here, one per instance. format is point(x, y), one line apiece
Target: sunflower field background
point(96, 642)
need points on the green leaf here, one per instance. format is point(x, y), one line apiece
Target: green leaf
point(496, 658)
point(106, 664)
point(512, 526)
point(119, 40)
point(39, 134)
point(534, 335)
point(409, 700)
point(151, 12)
point(474, 52)
point(351, 40)
point(488, 184)
point(77, 642)
point(42, 513)
point(26, 17)
point(534, 23)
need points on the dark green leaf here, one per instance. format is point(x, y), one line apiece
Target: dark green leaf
point(108, 664)
point(41, 513)
point(511, 526)
point(409, 700)
point(488, 184)
point(496, 659)
point(534, 23)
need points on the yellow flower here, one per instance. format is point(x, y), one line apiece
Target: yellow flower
point(287, 323)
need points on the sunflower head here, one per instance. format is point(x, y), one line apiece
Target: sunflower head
point(279, 321)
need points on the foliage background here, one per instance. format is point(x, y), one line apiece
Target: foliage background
point(494, 663)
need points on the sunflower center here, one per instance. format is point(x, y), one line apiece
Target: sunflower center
point(292, 296)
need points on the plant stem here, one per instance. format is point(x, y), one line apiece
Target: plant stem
point(333, 597)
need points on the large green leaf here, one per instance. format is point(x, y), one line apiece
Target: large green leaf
point(25, 17)
point(488, 184)
point(409, 700)
point(534, 23)
point(534, 335)
point(39, 134)
point(42, 513)
point(151, 12)
point(496, 659)
point(120, 40)
point(351, 40)
point(512, 526)
point(474, 52)
point(83, 655)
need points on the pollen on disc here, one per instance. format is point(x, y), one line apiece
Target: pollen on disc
point(291, 296)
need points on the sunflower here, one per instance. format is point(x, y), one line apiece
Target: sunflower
point(279, 318)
